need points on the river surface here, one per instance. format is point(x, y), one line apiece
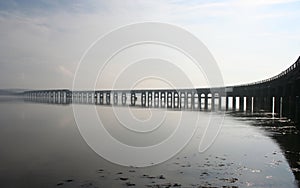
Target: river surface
point(41, 146)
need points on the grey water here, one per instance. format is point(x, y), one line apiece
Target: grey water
point(41, 146)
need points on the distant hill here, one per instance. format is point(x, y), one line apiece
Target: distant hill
point(12, 91)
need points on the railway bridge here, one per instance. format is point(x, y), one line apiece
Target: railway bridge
point(278, 95)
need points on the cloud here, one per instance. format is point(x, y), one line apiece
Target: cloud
point(50, 38)
point(264, 2)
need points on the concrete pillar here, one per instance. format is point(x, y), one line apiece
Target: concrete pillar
point(233, 103)
point(149, 98)
point(206, 102)
point(297, 110)
point(132, 99)
point(169, 99)
point(124, 98)
point(196, 101)
point(213, 101)
point(176, 99)
point(108, 98)
point(143, 99)
point(241, 103)
point(101, 100)
point(115, 98)
point(248, 103)
point(162, 99)
point(192, 100)
point(227, 102)
point(156, 99)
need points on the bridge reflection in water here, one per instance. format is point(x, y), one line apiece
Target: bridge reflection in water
point(279, 95)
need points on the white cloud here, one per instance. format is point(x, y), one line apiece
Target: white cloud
point(237, 32)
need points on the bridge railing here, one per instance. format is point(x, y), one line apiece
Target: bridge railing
point(283, 73)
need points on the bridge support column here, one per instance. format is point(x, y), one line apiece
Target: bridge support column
point(156, 99)
point(212, 101)
point(234, 103)
point(285, 106)
point(149, 98)
point(162, 99)
point(169, 99)
point(176, 99)
point(108, 98)
point(241, 107)
point(297, 109)
point(192, 100)
point(182, 99)
point(101, 100)
point(115, 98)
point(189, 103)
point(196, 101)
point(227, 102)
point(124, 98)
point(132, 99)
point(257, 103)
point(277, 105)
point(249, 104)
point(143, 99)
point(220, 102)
point(206, 102)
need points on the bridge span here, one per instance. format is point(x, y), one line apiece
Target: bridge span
point(278, 95)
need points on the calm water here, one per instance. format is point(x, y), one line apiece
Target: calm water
point(40, 146)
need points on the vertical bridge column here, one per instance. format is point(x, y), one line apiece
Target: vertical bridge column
point(176, 99)
point(212, 101)
point(143, 99)
point(115, 98)
point(132, 98)
point(156, 99)
point(101, 100)
point(108, 98)
point(241, 107)
point(162, 99)
point(206, 101)
point(183, 99)
point(149, 98)
point(189, 97)
point(233, 102)
point(169, 99)
point(124, 98)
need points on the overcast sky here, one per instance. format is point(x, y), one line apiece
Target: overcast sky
point(42, 41)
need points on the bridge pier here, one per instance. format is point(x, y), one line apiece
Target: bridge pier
point(132, 99)
point(182, 99)
point(169, 99)
point(297, 109)
point(233, 103)
point(227, 103)
point(115, 98)
point(124, 98)
point(277, 105)
point(156, 99)
point(162, 99)
point(143, 99)
point(101, 97)
point(149, 98)
point(241, 103)
point(196, 101)
point(212, 101)
point(206, 102)
point(189, 100)
point(176, 99)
